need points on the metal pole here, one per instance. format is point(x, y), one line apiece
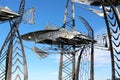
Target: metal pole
point(92, 62)
point(73, 16)
point(61, 63)
point(9, 63)
point(73, 63)
point(65, 15)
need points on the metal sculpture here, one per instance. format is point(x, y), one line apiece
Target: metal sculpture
point(112, 20)
point(7, 14)
point(67, 57)
point(71, 43)
point(13, 64)
point(113, 26)
point(111, 15)
point(68, 69)
point(29, 15)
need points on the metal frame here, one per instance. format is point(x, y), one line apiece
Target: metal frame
point(113, 26)
point(12, 51)
point(91, 36)
point(68, 69)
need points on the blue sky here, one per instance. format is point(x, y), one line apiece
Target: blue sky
point(52, 11)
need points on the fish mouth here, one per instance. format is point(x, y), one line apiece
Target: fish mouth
point(23, 37)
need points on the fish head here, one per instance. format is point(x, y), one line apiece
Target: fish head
point(29, 37)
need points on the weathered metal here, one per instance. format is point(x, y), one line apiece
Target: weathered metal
point(10, 50)
point(113, 22)
point(7, 14)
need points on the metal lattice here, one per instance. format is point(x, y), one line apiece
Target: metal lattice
point(77, 53)
point(12, 57)
point(113, 27)
point(67, 64)
point(67, 60)
point(85, 63)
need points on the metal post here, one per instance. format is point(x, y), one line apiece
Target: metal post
point(73, 16)
point(73, 63)
point(9, 63)
point(61, 63)
point(92, 62)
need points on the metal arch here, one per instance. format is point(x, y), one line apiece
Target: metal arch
point(113, 27)
point(90, 35)
point(88, 27)
point(8, 49)
point(85, 63)
point(24, 58)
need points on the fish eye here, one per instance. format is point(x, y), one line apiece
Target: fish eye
point(29, 37)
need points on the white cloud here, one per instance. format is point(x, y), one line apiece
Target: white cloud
point(102, 58)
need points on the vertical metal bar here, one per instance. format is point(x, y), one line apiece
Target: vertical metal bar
point(110, 43)
point(65, 14)
point(8, 75)
point(73, 16)
point(73, 63)
point(92, 62)
point(92, 56)
point(9, 63)
point(7, 60)
point(61, 63)
point(73, 55)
